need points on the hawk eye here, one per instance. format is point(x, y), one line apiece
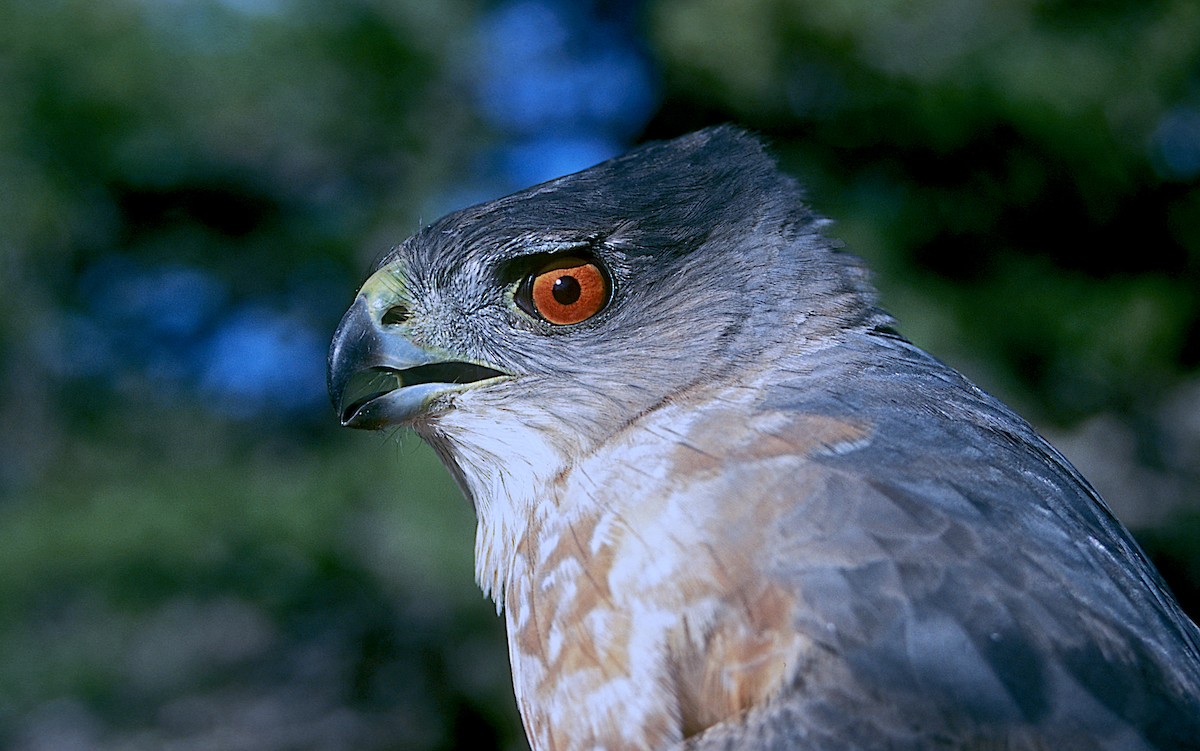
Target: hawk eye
point(568, 289)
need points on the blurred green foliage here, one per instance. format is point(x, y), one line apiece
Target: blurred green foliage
point(1007, 162)
point(1023, 176)
point(230, 590)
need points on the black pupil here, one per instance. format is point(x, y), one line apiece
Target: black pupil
point(566, 290)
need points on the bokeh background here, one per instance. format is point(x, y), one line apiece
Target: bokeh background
point(193, 555)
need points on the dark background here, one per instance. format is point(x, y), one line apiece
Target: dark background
point(193, 555)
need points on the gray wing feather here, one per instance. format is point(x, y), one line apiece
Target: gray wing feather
point(965, 586)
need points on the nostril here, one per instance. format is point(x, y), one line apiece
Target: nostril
point(395, 315)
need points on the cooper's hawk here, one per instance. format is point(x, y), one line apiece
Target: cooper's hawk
point(723, 504)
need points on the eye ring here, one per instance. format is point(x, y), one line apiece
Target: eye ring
point(566, 290)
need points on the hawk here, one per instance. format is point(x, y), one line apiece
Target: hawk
point(723, 504)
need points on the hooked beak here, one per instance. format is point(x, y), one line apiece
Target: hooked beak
point(378, 377)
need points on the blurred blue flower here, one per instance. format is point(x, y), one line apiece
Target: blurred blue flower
point(567, 88)
point(132, 315)
point(171, 325)
point(545, 67)
point(539, 159)
point(1176, 144)
point(260, 360)
point(168, 301)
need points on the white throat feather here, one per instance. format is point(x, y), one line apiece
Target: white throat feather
point(505, 464)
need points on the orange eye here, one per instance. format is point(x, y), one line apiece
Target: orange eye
point(567, 290)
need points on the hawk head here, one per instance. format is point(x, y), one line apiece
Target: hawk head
point(516, 335)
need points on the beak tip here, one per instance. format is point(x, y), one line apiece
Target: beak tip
point(346, 351)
